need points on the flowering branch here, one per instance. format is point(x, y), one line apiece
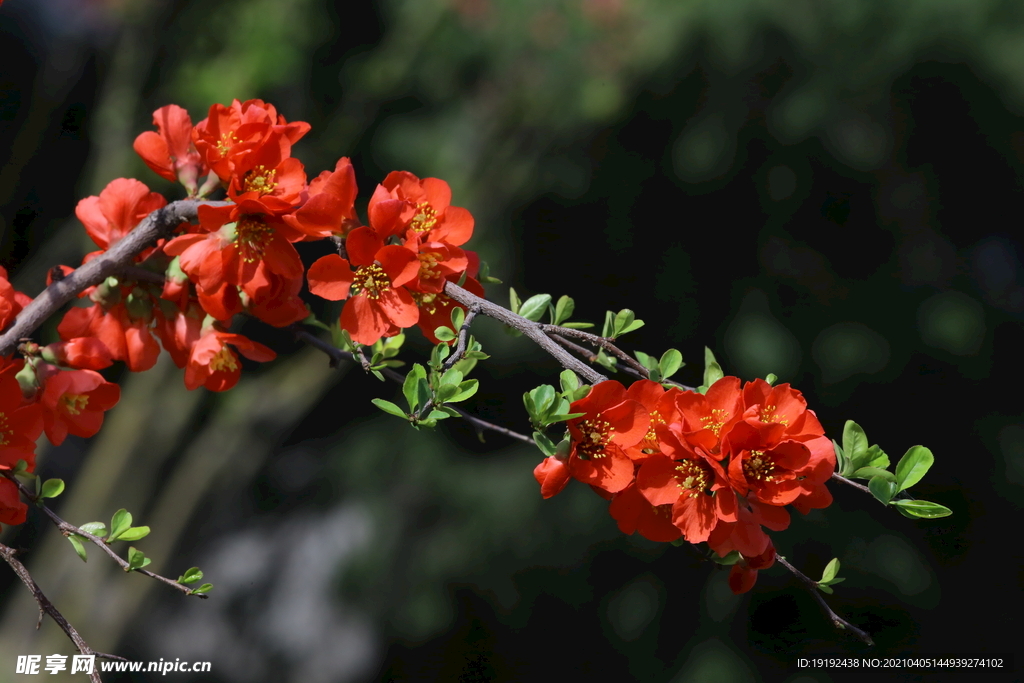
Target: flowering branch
point(68, 529)
point(46, 607)
point(837, 620)
point(158, 224)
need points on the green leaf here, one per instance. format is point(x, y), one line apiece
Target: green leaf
point(840, 456)
point(485, 275)
point(876, 457)
point(824, 589)
point(831, 569)
point(389, 408)
point(911, 468)
point(623, 319)
point(466, 390)
point(513, 300)
point(191, 576)
point(95, 528)
point(436, 415)
point(670, 363)
point(444, 334)
point(855, 445)
point(52, 488)
point(543, 399)
point(564, 309)
point(119, 523)
point(578, 326)
point(205, 588)
point(136, 559)
point(534, 307)
point(458, 317)
point(922, 508)
point(568, 381)
point(134, 533)
point(562, 417)
point(452, 377)
point(76, 543)
point(881, 489)
point(546, 446)
point(869, 472)
point(635, 325)
point(732, 558)
point(608, 330)
point(712, 370)
point(772, 378)
point(411, 386)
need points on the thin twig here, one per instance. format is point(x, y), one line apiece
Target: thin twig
point(68, 529)
point(850, 482)
point(45, 606)
point(600, 342)
point(531, 329)
point(460, 346)
point(160, 223)
point(812, 585)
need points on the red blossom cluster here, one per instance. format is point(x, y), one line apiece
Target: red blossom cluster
point(717, 467)
point(184, 292)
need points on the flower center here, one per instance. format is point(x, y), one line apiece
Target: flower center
point(758, 466)
point(650, 442)
point(425, 218)
point(692, 477)
point(261, 180)
point(428, 302)
point(371, 281)
point(596, 435)
point(224, 361)
point(74, 403)
point(252, 235)
point(428, 265)
point(226, 142)
point(715, 421)
point(768, 415)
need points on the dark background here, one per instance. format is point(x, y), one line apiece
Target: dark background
point(827, 192)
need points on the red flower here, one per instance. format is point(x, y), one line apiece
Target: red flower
point(404, 203)
point(552, 474)
point(330, 208)
point(439, 262)
point(12, 510)
point(229, 133)
point(264, 176)
point(611, 422)
point(744, 573)
point(74, 401)
point(436, 309)
point(11, 301)
point(121, 206)
point(20, 425)
point(378, 304)
point(707, 418)
point(85, 353)
point(214, 365)
point(169, 151)
point(634, 512)
point(126, 339)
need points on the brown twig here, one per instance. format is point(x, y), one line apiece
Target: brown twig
point(460, 345)
point(68, 529)
point(160, 223)
point(812, 585)
point(531, 329)
point(850, 482)
point(46, 607)
point(600, 342)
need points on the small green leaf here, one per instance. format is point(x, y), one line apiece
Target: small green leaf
point(95, 528)
point(824, 589)
point(534, 307)
point(76, 543)
point(623, 319)
point(467, 389)
point(578, 326)
point(564, 309)
point(855, 445)
point(911, 468)
point(134, 533)
point(52, 488)
point(191, 576)
point(712, 370)
point(608, 330)
point(119, 523)
point(513, 300)
point(543, 398)
point(546, 446)
point(562, 417)
point(453, 377)
point(869, 472)
point(831, 569)
point(568, 381)
point(840, 456)
point(732, 558)
point(205, 588)
point(922, 508)
point(136, 559)
point(411, 387)
point(436, 415)
point(670, 363)
point(635, 325)
point(882, 489)
point(876, 457)
point(458, 317)
point(772, 378)
point(444, 334)
point(389, 408)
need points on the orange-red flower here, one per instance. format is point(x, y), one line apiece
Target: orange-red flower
point(633, 512)
point(12, 510)
point(11, 301)
point(330, 207)
point(169, 150)
point(611, 423)
point(378, 304)
point(214, 365)
point(20, 425)
point(74, 401)
point(405, 204)
point(119, 208)
point(744, 573)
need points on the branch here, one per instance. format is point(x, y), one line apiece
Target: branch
point(600, 342)
point(68, 529)
point(160, 223)
point(46, 607)
point(460, 346)
point(850, 482)
point(837, 620)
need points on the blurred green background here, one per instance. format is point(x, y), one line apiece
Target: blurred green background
point(825, 190)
